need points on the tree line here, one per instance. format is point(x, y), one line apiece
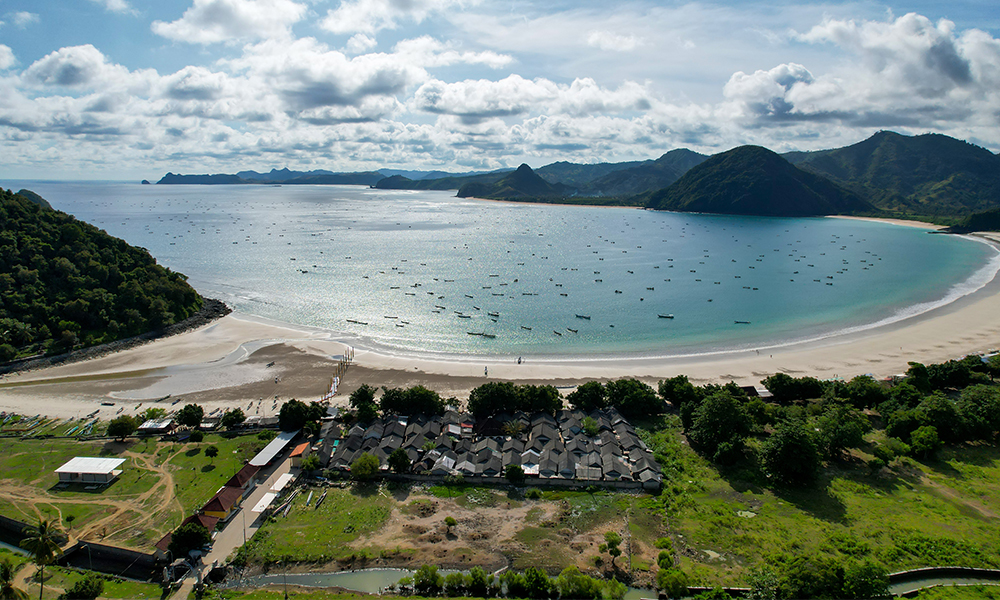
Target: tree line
point(66, 283)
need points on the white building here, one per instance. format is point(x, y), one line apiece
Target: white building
point(89, 469)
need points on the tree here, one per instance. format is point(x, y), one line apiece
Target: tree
point(790, 455)
point(365, 466)
point(40, 542)
point(190, 415)
point(811, 577)
point(363, 402)
point(673, 583)
point(427, 581)
point(941, 412)
point(842, 427)
point(211, 452)
point(493, 398)
point(633, 398)
point(152, 413)
point(514, 474)
point(7, 589)
point(293, 415)
point(232, 418)
point(537, 583)
point(421, 400)
point(122, 427)
point(310, 463)
point(588, 397)
point(187, 538)
point(88, 588)
point(611, 542)
point(864, 392)
point(479, 584)
point(571, 583)
point(590, 426)
point(678, 391)
point(196, 437)
point(719, 426)
point(924, 441)
point(763, 584)
point(399, 461)
point(979, 408)
point(866, 580)
point(454, 585)
point(450, 522)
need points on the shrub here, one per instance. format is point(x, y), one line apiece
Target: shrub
point(672, 582)
point(88, 588)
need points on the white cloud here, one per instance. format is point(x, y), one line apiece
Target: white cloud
point(7, 59)
point(606, 40)
point(477, 100)
point(360, 42)
point(370, 16)
point(75, 67)
point(23, 18)
point(429, 52)
point(213, 21)
point(116, 6)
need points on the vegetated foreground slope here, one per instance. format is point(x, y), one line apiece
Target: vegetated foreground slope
point(927, 174)
point(751, 180)
point(65, 282)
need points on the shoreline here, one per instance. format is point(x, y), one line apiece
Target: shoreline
point(224, 364)
point(240, 360)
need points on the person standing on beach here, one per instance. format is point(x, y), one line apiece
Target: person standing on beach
point(486, 371)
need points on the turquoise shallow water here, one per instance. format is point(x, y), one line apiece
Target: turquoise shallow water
point(416, 272)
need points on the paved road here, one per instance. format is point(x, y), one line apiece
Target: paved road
point(240, 527)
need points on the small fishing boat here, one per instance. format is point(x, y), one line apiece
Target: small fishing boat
point(583, 317)
point(557, 333)
point(666, 316)
point(572, 330)
point(356, 322)
point(741, 322)
point(526, 328)
point(494, 314)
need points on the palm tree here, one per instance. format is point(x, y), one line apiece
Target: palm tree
point(7, 589)
point(41, 542)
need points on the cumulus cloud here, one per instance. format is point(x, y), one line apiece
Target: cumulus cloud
point(75, 67)
point(429, 52)
point(213, 21)
point(370, 16)
point(904, 71)
point(476, 100)
point(23, 18)
point(115, 6)
point(360, 42)
point(606, 40)
point(7, 59)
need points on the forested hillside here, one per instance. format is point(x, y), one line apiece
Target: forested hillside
point(66, 283)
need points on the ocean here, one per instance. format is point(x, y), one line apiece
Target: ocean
point(425, 273)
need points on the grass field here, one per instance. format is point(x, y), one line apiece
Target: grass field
point(58, 579)
point(160, 484)
point(942, 512)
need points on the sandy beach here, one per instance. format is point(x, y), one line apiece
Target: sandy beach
point(229, 364)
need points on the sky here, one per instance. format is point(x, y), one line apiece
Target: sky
point(131, 89)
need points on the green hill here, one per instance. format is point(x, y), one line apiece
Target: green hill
point(928, 174)
point(751, 180)
point(579, 175)
point(983, 221)
point(522, 184)
point(65, 283)
point(647, 176)
point(35, 198)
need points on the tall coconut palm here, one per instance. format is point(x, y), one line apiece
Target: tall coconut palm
point(41, 542)
point(7, 589)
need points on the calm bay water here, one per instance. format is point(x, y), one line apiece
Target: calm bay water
point(416, 272)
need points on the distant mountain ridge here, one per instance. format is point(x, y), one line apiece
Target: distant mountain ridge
point(928, 174)
point(751, 180)
point(522, 184)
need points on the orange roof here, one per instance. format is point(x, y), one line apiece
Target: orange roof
point(300, 449)
point(244, 475)
point(224, 500)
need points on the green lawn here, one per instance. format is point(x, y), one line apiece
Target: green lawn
point(114, 588)
point(308, 534)
point(939, 513)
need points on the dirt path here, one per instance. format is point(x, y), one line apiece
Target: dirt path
point(953, 496)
